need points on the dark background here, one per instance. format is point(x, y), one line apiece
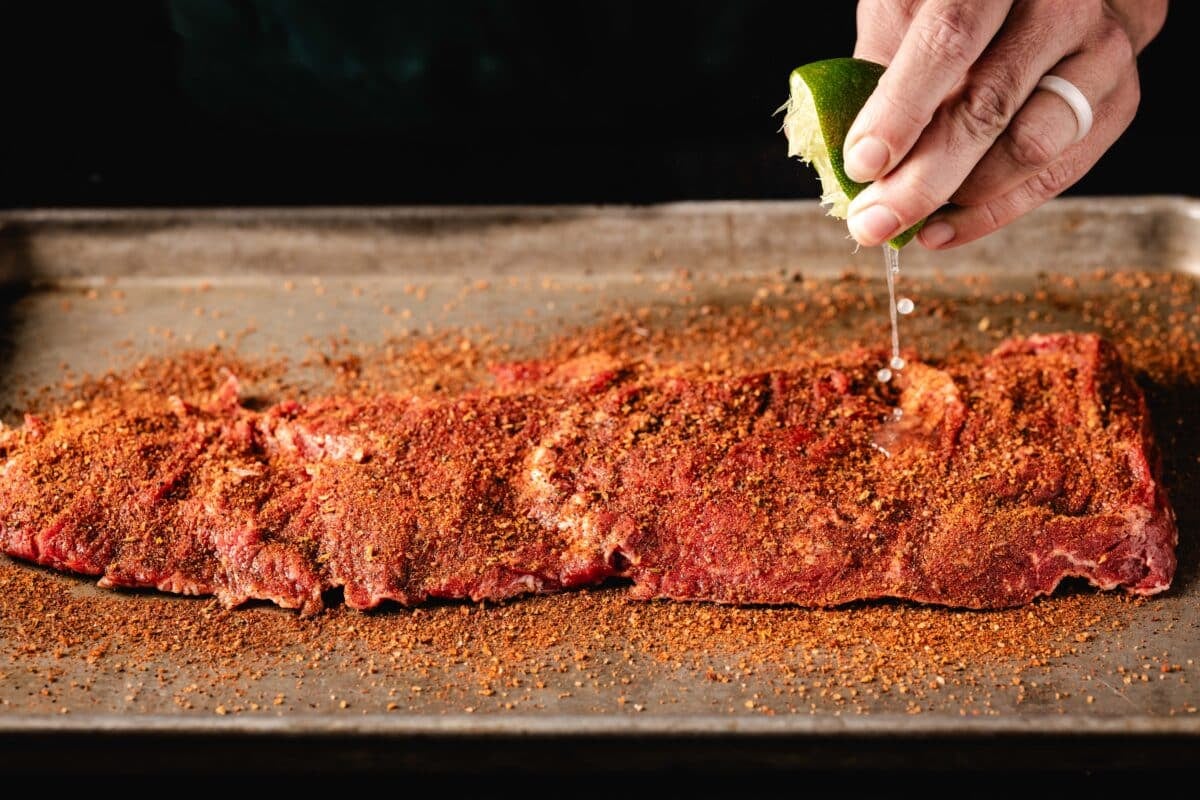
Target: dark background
point(216, 102)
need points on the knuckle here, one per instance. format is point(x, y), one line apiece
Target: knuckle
point(902, 112)
point(1121, 106)
point(1114, 44)
point(1030, 146)
point(949, 35)
point(991, 216)
point(984, 109)
point(1052, 181)
point(921, 196)
point(1076, 15)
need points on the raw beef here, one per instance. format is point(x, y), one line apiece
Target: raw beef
point(982, 484)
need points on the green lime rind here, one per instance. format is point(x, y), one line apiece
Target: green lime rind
point(840, 87)
point(902, 239)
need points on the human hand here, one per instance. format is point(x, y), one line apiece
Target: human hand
point(956, 117)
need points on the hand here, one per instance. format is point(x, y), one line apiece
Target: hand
point(957, 117)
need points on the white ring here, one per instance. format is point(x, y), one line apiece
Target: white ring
point(1079, 104)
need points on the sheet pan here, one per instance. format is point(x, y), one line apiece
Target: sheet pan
point(280, 280)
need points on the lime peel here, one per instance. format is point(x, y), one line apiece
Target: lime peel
point(824, 98)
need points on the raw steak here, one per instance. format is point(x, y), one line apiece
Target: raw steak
point(980, 485)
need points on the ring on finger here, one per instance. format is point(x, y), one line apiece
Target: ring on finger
point(1074, 98)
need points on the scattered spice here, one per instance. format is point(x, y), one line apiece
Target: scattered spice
point(66, 646)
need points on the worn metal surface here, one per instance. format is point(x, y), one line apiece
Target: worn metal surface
point(277, 281)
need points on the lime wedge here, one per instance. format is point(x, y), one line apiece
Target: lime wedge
point(825, 98)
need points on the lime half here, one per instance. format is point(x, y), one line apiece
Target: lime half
point(825, 98)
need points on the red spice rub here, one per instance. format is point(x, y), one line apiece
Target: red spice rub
point(1004, 474)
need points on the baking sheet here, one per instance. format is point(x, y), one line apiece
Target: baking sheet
point(86, 290)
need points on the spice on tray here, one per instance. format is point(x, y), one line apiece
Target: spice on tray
point(587, 643)
point(67, 646)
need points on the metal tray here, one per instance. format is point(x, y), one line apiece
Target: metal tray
point(280, 280)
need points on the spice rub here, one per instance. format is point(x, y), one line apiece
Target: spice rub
point(1002, 475)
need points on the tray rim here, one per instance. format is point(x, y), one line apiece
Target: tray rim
point(500, 724)
point(1123, 204)
point(734, 237)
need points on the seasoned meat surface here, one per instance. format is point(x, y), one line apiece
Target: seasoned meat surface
point(981, 484)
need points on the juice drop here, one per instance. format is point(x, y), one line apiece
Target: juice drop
point(891, 265)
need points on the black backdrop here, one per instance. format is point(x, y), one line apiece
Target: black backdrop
point(221, 102)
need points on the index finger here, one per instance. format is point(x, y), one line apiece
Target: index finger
point(943, 41)
point(881, 25)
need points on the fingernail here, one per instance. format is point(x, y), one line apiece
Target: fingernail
point(873, 225)
point(936, 234)
point(866, 159)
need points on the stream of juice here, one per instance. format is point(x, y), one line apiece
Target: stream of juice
point(886, 438)
point(891, 265)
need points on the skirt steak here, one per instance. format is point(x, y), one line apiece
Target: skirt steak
point(980, 485)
